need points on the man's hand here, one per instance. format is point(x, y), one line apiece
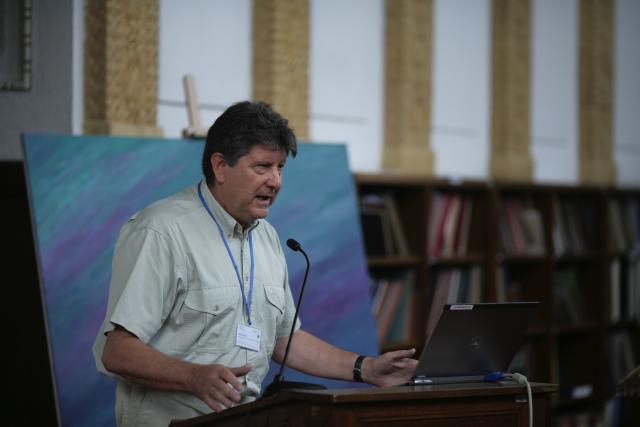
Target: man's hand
point(215, 384)
point(389, 369)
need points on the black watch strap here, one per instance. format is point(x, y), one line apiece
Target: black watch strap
point(357, 369)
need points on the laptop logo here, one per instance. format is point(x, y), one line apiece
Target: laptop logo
point(474, 343)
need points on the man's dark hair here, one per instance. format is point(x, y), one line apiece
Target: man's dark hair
point(242, 126)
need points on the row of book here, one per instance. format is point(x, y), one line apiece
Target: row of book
point(453, 286)
point(448, 233)
point(449, 224)
point(392, 299)
point(624, 226)
point(382, 228)
point(624, 290)
point(622, 359)
point(392, 306)
point(521, 227)
point(568, 299)
point(573, 227)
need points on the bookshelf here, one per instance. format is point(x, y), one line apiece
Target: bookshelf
point(404, 264)
point(576, 249)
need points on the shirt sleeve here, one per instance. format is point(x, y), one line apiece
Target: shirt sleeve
point(144, 282)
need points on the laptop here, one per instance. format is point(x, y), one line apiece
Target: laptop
point(470, 341)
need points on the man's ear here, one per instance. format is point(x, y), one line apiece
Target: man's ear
point(218, 164)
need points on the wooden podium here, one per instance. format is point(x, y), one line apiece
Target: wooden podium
point(485, 404)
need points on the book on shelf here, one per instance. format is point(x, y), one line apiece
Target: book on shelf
point(631, 291)
point(558, 231)
point(632, 212)
point(376, 231)
point(449, 224)
point(391, 306)
point(568, 302)
point(379, 289)
point(523, 362)
point(437, 297)
point(533, 230)
point(512, 217)
point(615, 292)
point(574, 227)
point(572, 221)
point(621, 358)
point(400, 329)
point(381, 226)
point(388, 308)
point(618, 234)
point(521, 227)
point(440, 211)
point(400, 244)
point(453, 286)
point(464, 225)
point(435, 212)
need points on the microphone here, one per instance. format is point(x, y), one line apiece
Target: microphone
point(295, 246)
point(279, 383)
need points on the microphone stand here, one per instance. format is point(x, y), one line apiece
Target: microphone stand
point(279, 382)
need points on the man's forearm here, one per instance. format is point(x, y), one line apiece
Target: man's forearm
point(125, 355)
point(316, 357)
point(216, 385)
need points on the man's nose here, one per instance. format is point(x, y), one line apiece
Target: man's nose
point(275, 180)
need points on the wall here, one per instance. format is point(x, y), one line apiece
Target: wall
point(47, 106)
point(554, 80)
point(626, 106)
point(211, 39)
point(461, 87)
point(347, 77)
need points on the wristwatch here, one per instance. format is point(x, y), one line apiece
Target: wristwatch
point(357, 369)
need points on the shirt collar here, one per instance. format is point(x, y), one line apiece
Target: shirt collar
point(228, 223)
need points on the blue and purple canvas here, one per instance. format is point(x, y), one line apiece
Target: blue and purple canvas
point(83, 188)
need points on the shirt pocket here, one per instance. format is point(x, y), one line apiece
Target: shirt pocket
point(208, 319)
point(274, 296)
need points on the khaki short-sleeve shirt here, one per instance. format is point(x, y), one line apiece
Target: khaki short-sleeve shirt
point(173, 285)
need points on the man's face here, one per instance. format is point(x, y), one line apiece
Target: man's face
point(247, 190)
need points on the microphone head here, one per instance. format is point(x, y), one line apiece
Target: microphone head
point(293, 245)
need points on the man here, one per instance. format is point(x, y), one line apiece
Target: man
point(199, 298)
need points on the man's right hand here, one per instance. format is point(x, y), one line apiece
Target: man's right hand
point(217, 384)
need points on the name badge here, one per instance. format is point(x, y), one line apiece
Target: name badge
point(248, 337)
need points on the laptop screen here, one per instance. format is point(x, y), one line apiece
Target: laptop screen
point(472, 340)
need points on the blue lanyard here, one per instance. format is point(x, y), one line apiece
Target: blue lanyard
point(247, 305)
